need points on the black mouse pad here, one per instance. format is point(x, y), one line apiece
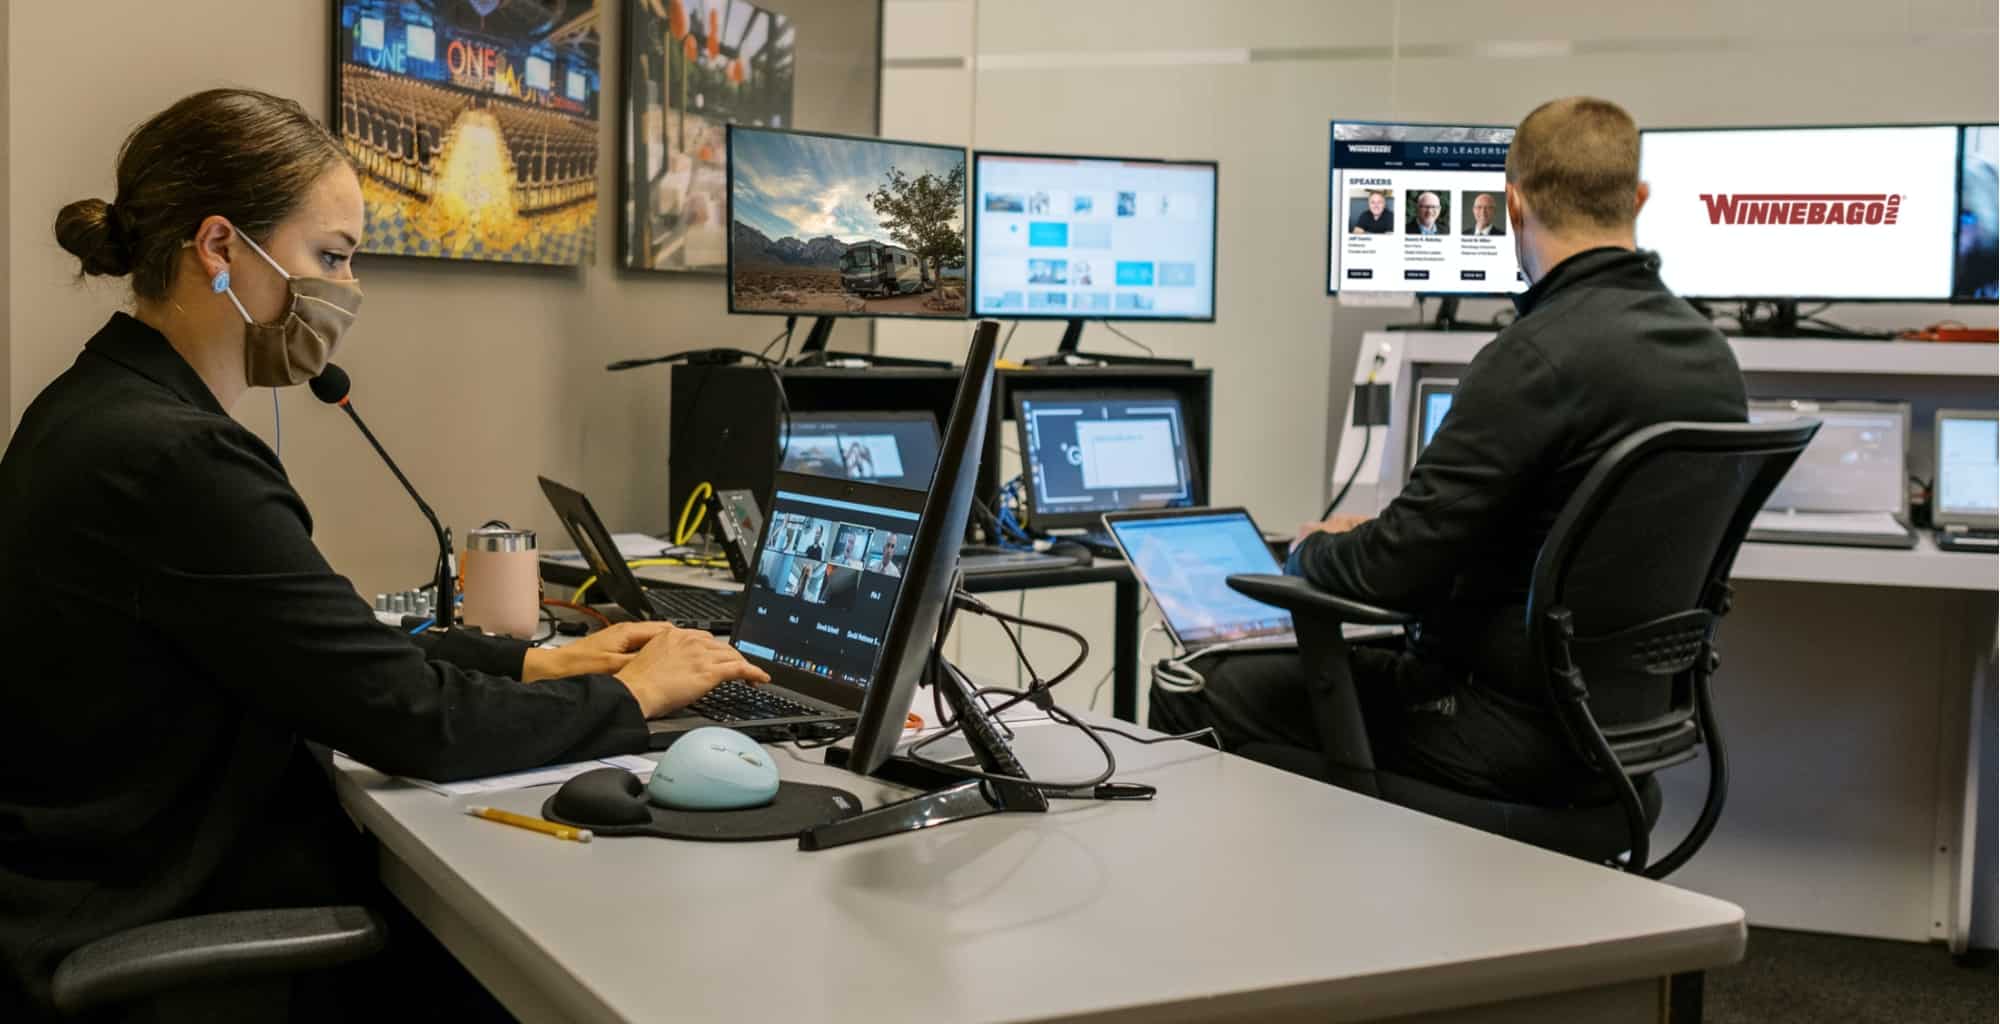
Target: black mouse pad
point(612, 802)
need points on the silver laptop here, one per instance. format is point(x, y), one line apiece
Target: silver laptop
point(1965, 493)
point(1851, 485)
point(1184, 557)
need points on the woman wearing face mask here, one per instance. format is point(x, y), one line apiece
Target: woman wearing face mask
point(178, 635)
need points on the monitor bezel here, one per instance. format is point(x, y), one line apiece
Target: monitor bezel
point(1940, 517)
point(729, 215)
point(1327, 247)
point(1951, 243)
point(1040, 520)
point(1214, 237)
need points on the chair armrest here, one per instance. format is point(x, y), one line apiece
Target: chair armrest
point(1297, 596)
point(142, 961)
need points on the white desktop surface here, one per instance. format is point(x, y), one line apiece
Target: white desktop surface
point(1241, 891)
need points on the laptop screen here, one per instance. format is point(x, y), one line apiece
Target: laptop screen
point(825, 582)
point(895, 449)
point(1854, 463)
point(1968, 473)
point(1087, 454)
point(1184, 560)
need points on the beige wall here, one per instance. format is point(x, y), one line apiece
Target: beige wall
point(477, 377)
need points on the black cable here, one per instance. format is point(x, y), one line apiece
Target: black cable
point(1208, 731)
point(1148, 349)
point(1006, 341)
point(1367, 439)
point(549, 617)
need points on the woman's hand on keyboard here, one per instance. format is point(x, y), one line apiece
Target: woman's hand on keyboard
point(678, 666)
point(604, 652)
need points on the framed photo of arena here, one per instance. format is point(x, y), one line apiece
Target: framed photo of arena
point(473, 124)
point(694, 67)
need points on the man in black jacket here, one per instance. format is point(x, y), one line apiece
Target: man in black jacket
point(1600, 349)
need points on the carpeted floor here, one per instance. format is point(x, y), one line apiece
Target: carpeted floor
point(1801, 976)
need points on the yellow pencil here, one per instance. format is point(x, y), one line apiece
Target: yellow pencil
point(547, 828)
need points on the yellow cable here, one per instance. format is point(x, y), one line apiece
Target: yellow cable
point(698, 563)
point(686, 528)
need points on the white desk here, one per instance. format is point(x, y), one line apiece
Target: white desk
point(1241, 893)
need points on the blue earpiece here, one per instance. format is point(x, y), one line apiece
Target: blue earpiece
point(221, 281)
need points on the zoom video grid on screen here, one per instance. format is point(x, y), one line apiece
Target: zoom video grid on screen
point(1803, 213)
point(825, 585)
point(1093, 239)
point(1088, 455)
point(1186, 562)
point(1420, 208)
point(898, 451)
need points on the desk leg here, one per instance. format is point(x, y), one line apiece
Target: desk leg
point(1125, 652)
point(1684, 998)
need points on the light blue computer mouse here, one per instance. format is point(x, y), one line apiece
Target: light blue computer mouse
point(714, 769)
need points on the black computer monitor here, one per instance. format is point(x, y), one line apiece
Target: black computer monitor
point(1093, 238)
point(1085, 453)
point(1420, 208)
point(834, 225)
point(931, 576)
point(896, 449)
point(1824, 213)
point(1976, 274)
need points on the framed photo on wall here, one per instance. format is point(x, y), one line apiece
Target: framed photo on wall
point(474, 125)
point(693, 67)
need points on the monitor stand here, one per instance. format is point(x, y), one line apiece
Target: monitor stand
point(1066, 354)
point(814, 352)
point(1784, 322)
point(1445, 320)
point(947, 797)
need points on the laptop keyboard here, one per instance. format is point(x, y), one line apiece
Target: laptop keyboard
point(693, 606)
point(742, 702)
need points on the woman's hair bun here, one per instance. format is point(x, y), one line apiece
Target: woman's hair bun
point(90, 230)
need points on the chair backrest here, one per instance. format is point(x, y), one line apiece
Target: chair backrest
point(1629, 587)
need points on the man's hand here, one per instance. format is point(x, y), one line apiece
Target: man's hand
point(678, 666)
point(601, 653)
point(1335, 524)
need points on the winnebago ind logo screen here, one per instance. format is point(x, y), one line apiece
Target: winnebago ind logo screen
point(1862, 213)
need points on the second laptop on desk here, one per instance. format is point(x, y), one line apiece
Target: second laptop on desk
point(1851, 485)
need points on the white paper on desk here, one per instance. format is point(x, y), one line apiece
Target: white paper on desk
point(631, 546)
point(550, 776)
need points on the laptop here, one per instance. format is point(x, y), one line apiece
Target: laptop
point(1850, 487)
point(1085, 454)
point(896, 449)
point(1965, 498)
point(1184, 557)
point(686, 607)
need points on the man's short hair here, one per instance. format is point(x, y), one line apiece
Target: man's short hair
point(1575, 162)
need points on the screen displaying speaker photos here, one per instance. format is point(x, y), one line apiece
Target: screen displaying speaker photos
point(825, 584)
point(899, 451)
point(1087, 455)
point(1977, 275)
point(1420, 208)
point(1968, 465)
point(473, 124)
point(830, 225)
point(1828, 213)
point(1093, 238)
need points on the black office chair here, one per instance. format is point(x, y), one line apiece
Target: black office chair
point(212, 967)
point(1627, 594)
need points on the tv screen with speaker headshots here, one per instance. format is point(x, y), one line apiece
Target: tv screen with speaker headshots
point(1420, 208)
point(834, 225)
point(473, 126)
point(1850, 213)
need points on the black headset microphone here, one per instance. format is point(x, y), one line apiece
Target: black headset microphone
point(331, 387)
